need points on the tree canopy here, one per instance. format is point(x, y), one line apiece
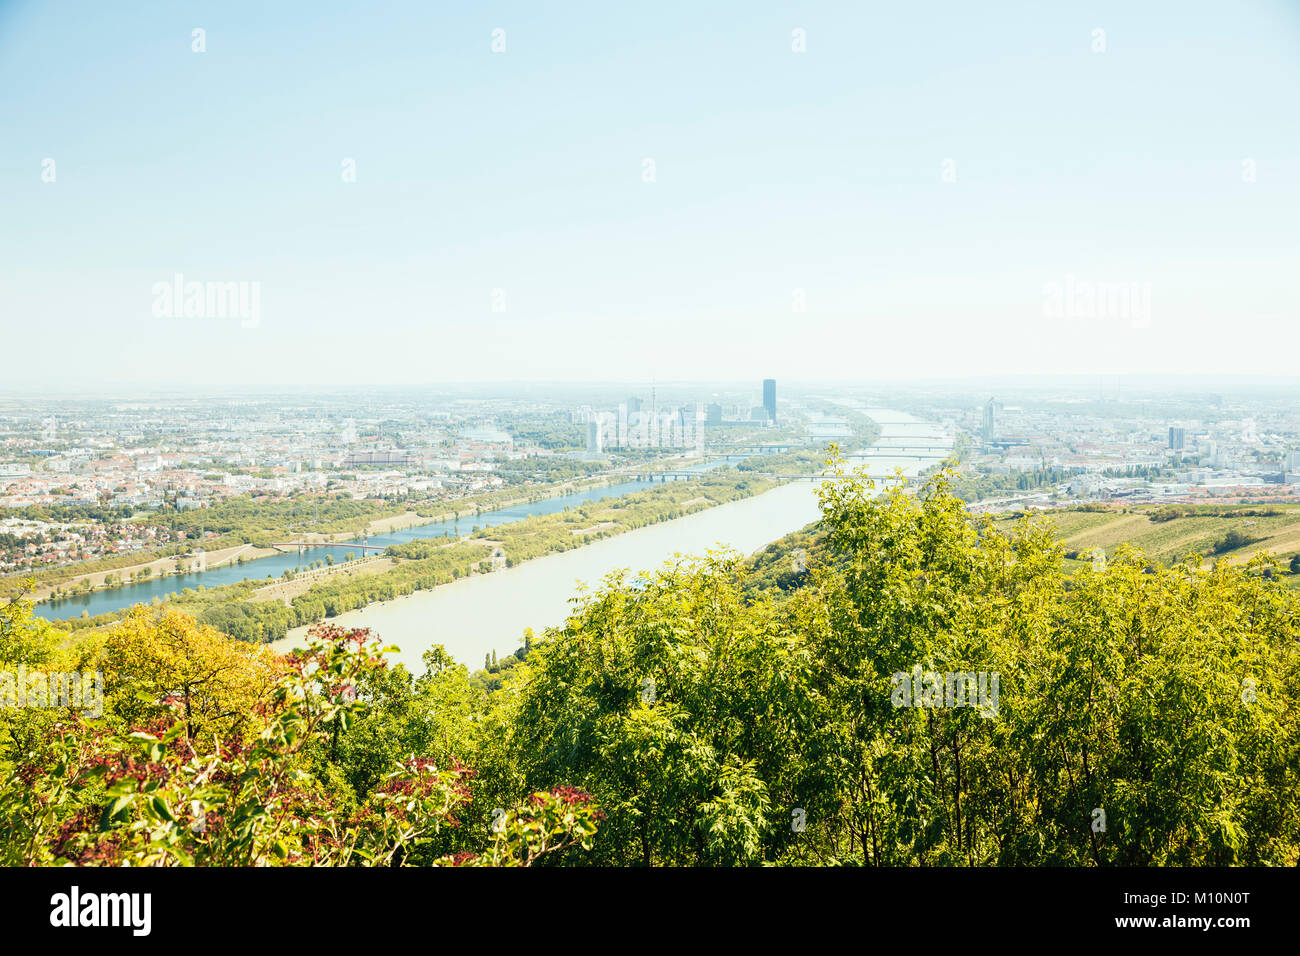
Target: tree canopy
point(920, 688)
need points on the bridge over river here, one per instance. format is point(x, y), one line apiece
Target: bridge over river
point(346, 545)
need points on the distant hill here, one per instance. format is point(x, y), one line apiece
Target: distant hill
point(1168, 533)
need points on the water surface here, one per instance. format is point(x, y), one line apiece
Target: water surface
point(476, 615)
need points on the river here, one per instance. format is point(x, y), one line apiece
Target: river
point(273, 566)
point(477, 615)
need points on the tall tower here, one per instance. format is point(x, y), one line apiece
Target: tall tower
point(769, 398)
point(989, 426)
point(654, 416)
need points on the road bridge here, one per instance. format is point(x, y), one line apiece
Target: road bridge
point(349, 545)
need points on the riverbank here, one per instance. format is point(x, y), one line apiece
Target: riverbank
point(486, 509)
point(157, 568)
point(248, 610)
point(67, 582)
point(475, 616)
point(143, 580)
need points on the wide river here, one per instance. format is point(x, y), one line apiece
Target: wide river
point(274, 565)
point(477, 615)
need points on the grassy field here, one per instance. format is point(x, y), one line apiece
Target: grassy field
point(1205, 530)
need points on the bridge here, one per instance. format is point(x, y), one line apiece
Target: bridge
point(911, 445)
point(300, 545)
point(775, 448)
point(678, 475)
point(682, 475)
point(932, 449)
point(927, 457)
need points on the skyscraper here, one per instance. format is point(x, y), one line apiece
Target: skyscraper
point(989, 426)
point(769, 398)
point(1177, 439)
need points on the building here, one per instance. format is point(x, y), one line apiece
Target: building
point(383, 459)
point(1177, 439)
point(989, 426)
point(594, 442)
point(769, 398)
point(714, 414)
point(1291, 468)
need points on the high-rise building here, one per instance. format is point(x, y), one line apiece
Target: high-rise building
point(989, 427)
point(715, 414)
point(385, 459)
point(769, 397)
point(593, 437)
point(1177, 439)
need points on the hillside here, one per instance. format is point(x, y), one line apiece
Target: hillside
point(904, 684)
point(1169, 533)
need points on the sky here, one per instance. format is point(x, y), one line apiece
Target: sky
point(428, 192)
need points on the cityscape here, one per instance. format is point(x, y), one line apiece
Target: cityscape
point(117, 468)
point(141, 457)
point(853, 444)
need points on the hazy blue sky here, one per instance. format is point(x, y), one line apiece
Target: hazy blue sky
point(523, 171)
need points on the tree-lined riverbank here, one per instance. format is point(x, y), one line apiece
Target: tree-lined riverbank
point(475, 616)
point(240, 611)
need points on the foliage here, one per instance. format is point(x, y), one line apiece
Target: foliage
point(24, 639)
point(164, 660)
point(719, 712)
point(159, 795)
point(1163, 698)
